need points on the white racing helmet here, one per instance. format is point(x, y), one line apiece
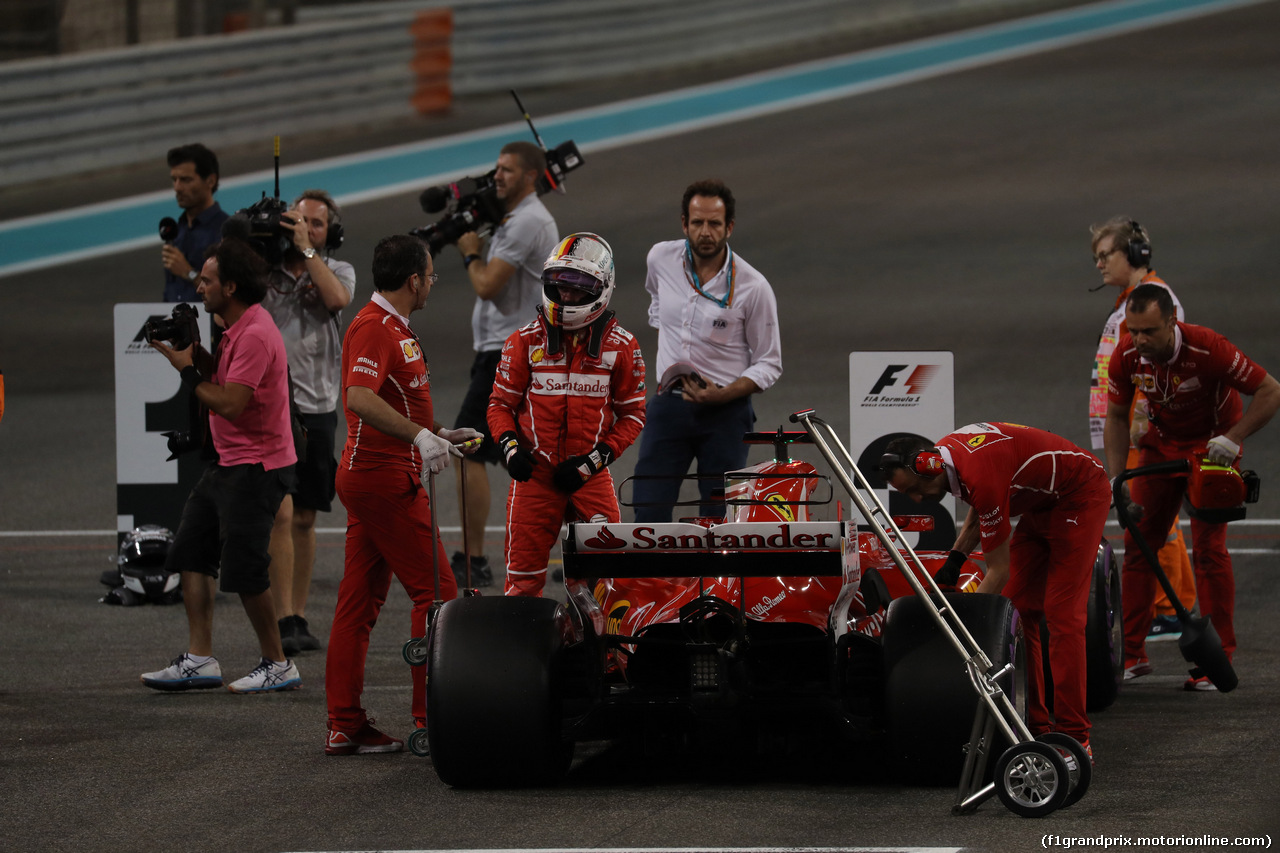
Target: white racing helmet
point(583, 262)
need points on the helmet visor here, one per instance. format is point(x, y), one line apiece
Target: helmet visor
point(578, 280)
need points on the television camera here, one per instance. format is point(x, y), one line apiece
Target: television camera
point(472, 202)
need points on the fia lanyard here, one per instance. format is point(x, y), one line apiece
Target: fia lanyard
point(692, 275)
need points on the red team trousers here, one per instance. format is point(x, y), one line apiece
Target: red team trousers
point(1160, 499)
point(1051, 557)
point(388, 532)
point(535, 511)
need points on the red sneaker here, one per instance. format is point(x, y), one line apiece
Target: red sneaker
point(1137, 668)
point(1198, 681)
point(366, 740)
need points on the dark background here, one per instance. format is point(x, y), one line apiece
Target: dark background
point(951, 214)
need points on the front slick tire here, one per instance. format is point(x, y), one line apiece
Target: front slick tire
point(494, 715)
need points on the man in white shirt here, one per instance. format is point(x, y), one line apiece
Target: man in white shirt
point(717, 322)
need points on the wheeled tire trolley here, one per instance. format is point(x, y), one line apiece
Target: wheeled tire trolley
point(1033, 777)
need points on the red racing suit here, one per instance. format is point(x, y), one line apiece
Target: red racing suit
point(1191, 398)
point(388, 514)
point(1061, 493)
point(562, 405)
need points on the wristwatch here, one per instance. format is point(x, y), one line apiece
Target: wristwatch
point(308, 253)
point(466, 261)
point(192, 275)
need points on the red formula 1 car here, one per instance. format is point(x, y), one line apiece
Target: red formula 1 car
point(767, 621)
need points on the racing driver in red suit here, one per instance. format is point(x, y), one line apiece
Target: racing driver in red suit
point(1190, 376)
point(568, 398)
point(1043, 565)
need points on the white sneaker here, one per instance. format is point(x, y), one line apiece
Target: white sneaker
point(268, 676)
point(185, 674)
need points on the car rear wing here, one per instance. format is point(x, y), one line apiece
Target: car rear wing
point(732, 549)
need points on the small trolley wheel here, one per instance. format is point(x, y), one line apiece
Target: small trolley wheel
point(1032, 779)
point(418, 744)
point(1079, 764)
point(415, 651)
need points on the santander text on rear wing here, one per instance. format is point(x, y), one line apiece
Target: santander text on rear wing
point(732, 549)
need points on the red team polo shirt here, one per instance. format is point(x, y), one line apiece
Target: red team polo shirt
point(1005, 470)
point(1190, 397)
point(381, 353)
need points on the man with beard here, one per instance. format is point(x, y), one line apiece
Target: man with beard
point(226, 522)
point(718, 344)
point(1059, 494)
point(1190, 376)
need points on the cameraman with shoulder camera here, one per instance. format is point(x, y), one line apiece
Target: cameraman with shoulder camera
point(193, 169)
point(226, 523)
point(508, 285)
point(307, 292)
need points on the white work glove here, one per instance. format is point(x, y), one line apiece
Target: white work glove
point(435, 453)
point(1222, 450)
point(463, 439)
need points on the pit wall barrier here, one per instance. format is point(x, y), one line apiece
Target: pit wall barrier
point(366, 63)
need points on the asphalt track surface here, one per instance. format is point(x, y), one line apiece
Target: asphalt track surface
point(949, 214)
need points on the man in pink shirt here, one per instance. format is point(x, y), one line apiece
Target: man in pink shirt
point(226, 523)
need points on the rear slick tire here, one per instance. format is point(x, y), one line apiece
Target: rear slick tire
point(930, 701)
point(494, 710)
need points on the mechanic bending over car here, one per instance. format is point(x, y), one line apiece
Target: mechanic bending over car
point(394, 445)
point(568, 398)
point(1190, 375)
point(1121, 252)
point(1044, 565)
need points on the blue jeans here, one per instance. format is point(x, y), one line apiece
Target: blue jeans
point(675, 433)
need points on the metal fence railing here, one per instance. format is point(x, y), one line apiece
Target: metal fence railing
point(360, 63)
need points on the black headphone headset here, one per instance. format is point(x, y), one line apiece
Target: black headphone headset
point(923, 463)
point(334, 235)
point(1138, 250)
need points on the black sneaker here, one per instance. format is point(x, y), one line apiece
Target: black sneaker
point(307, 642)
point(288, 637)
point(458, 563)
point(481, 574)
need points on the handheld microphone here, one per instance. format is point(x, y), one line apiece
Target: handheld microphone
point(168, 229)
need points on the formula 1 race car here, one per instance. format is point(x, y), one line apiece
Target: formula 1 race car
point(766, 621)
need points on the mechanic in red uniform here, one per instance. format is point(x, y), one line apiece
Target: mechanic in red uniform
point(382, 481)
point(1189, 375)
point(1045, 564)
point(567, 400)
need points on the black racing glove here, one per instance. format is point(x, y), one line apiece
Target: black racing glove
point(573, 472)
point(949, 574)
point(519, 460)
